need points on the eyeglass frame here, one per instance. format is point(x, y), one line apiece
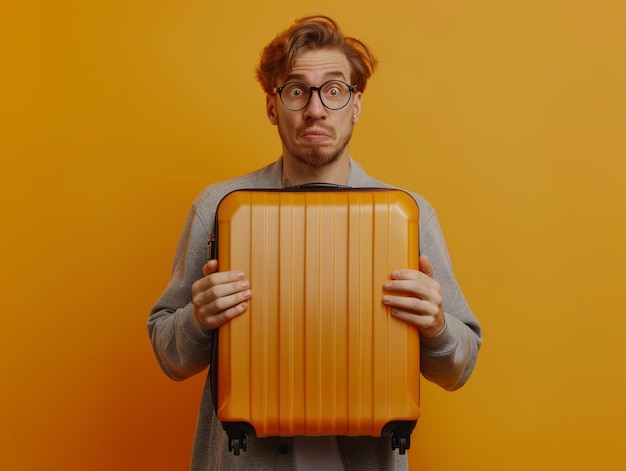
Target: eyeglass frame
point(279, 90)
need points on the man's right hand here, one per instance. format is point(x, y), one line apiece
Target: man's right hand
point(219, 296)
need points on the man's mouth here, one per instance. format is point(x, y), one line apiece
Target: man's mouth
point(316, 134)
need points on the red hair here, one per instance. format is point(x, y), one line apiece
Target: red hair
point(311, 33)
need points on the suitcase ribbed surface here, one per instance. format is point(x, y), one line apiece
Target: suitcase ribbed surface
point(317, 353)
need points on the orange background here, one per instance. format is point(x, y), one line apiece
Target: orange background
point(508, 116)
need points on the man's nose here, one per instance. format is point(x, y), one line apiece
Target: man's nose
point(315, 109)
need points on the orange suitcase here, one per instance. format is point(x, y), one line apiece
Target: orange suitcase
point(317, 353)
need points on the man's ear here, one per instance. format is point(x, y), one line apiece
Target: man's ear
point(270, 109)
point(358, 103)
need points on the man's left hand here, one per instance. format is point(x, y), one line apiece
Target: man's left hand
point(414, 296)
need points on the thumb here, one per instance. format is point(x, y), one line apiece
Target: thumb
point(425, 266)
point(209, 267)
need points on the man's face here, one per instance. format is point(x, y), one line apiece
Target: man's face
point(316, 136)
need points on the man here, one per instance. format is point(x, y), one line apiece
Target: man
point(314, 78)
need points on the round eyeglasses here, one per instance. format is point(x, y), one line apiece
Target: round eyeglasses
point(334, 94)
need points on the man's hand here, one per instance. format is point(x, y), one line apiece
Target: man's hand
point(219, 296)
point(415, 297)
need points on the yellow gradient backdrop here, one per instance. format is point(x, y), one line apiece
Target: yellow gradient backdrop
point(509, 116)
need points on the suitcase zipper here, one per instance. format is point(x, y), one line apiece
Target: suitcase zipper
point(211, 246)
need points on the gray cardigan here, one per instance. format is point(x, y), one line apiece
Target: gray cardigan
point(183, 346)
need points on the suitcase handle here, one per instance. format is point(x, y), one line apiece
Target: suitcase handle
point(316, 186)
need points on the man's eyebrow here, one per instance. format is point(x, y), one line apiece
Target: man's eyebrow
point(327, 76)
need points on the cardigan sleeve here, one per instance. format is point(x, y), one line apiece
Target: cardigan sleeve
point(449, 358)
point(181, 344)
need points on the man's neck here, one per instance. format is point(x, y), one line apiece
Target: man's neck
point(296, 173)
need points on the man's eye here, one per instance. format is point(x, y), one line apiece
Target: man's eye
point(295, 92)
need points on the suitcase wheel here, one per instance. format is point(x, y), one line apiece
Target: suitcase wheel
point(401, 442)
point(236, 443)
